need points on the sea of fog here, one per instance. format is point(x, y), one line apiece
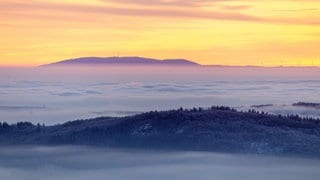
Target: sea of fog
point(50, 96)
point(56, 95)
point(82, 163)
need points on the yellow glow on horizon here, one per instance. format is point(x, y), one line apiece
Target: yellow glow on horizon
point(238, 32)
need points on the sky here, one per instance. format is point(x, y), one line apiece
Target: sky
point(219, 32)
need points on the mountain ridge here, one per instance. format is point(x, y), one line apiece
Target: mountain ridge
point(217, 129)
point(129, 60)
point(142, 61)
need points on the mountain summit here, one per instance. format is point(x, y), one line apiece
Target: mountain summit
point(122, 61)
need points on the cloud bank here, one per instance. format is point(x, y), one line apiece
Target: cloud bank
point(88, 163)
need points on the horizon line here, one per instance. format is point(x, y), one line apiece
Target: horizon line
point(199, 66)
point(196, 63)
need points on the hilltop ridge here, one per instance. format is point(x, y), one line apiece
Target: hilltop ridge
point(218, 129)
point(122, 61)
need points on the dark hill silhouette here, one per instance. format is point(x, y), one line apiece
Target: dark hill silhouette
point(219, 129)
point(122, 61)
point(307, 105)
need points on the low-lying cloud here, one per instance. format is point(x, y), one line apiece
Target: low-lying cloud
point(81, 163)
point(56, 97)
point(21, 108)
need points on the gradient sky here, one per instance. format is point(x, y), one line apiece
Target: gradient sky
point(226, 32)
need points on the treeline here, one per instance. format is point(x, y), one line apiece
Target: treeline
point(250, 111)
point(218, 128)
point(307, 104)
point(22, 125)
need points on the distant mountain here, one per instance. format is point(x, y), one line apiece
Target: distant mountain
point(122, 61)
point(307, 105)
point(218, 129)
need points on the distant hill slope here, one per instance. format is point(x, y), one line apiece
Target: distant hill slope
point(122, 61)
point(218, 129)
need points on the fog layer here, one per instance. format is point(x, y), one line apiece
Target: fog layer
point(56, 95)
point(81, 163)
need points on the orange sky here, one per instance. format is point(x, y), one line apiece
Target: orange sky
point(233, 32)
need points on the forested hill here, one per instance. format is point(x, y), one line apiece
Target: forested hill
point(219, 129)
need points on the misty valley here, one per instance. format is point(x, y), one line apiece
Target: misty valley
point(81, 162)
point(138, 122)
point(215, 143)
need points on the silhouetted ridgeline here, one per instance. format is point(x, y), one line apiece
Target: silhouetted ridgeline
point(307, 104)
point(219, 129)
point(137, 61)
